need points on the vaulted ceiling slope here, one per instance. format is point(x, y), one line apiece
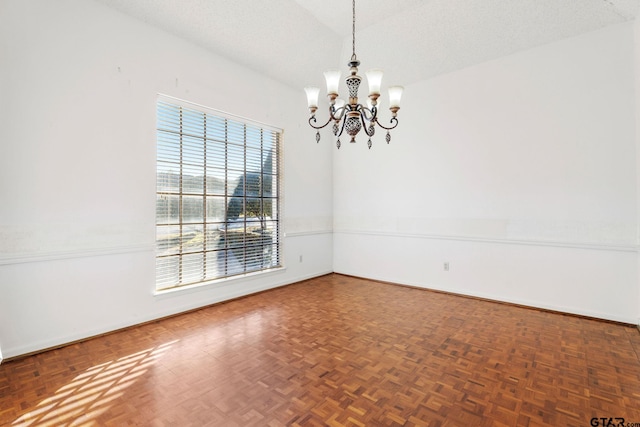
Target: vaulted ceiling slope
point(293, 41)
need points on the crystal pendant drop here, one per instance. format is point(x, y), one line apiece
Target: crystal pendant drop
point(388, 137)
point(318, 136)
point(338, 144)
point(335, 128)
point(369, 143)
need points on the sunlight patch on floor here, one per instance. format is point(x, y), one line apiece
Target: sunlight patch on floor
point(89, 394)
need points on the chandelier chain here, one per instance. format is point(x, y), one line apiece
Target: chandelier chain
point(353, 31)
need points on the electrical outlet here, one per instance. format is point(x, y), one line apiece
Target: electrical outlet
point(446, 266)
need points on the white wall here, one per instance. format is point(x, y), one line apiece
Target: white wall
point(519, 172)
point(78, 86)
point(637, 93)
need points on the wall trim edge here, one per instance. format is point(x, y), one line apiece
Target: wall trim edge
point(306, 233)
point(77, 253)
point(476, 239)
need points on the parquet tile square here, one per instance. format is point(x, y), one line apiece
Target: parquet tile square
point(336, 351)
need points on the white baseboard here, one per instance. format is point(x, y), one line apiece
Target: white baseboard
point(501, 299)
point(60, 341)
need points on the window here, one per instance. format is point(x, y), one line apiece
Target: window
point(217, 195)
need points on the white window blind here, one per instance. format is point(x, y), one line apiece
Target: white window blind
point(217, 196)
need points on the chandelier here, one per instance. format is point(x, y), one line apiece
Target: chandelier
point(353, 116)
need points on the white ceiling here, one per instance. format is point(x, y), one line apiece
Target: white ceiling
point(293, 41)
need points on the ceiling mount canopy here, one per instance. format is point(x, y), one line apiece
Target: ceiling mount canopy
point(353, 116)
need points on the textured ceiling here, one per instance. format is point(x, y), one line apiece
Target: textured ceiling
point(293, 41)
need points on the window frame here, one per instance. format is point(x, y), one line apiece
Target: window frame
point(267, 227)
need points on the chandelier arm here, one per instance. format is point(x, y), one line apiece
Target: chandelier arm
point(337, 114)
point(364, 123)
point(313, 118)
point(393, 120)
point(373, 113)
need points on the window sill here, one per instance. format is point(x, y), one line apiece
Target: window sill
point(217, 282)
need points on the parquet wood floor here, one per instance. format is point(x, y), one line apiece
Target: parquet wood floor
point(336, 351)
